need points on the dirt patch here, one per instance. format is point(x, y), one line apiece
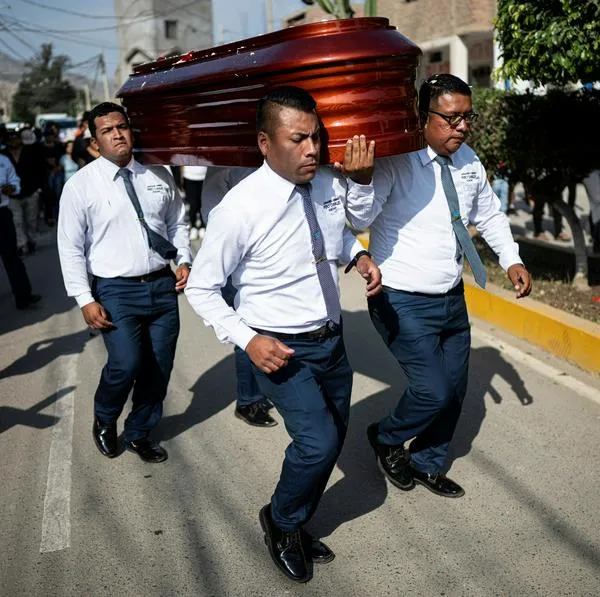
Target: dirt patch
point(546, 289)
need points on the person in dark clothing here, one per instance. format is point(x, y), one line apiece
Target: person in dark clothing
point(83, 151)
point(31, 170)
point(15, 269)
point(52, 150)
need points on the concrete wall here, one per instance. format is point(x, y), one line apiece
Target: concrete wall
point(145, 32)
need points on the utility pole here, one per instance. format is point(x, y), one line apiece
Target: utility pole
point(102, 66)
point(87, 97)
point(269, 14)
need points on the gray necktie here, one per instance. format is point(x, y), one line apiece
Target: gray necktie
point(328, 287)
point(155, 241)
point(462, 234)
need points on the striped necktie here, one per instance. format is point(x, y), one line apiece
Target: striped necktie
point(462, 234)
point(328, 286)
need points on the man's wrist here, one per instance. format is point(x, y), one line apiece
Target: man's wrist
point(355, 260)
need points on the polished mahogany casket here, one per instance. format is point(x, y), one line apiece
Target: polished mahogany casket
point(200, 108)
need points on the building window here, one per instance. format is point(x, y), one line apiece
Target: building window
point(171, 29)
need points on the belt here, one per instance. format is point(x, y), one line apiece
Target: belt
point(325, 331)
point(155, 275)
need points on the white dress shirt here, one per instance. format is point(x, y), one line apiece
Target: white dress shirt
point(8, 175)
point(259, 235)
point(411, 235)
point(98, 227)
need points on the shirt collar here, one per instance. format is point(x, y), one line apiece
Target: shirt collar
point(427, 156)
point(283, 187)
point(112, 168)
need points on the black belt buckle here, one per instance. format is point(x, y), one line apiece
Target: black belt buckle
point(329, 329)
point(332, 326)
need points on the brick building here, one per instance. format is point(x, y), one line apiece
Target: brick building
point(149, 29)
point(456, 36)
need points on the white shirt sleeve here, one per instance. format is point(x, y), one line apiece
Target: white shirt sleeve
point(362, 207)
point(176, 228)
point(493, 225)
point(223, 248)
point(11, 176)
point(71, 246)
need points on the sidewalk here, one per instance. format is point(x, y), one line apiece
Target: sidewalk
point(562, 334)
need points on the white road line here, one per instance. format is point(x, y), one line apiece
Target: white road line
point(543, 368)
point(56, 523)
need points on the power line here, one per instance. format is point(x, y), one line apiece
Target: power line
point(12, 50)
point(22, 41)
point(72, 12)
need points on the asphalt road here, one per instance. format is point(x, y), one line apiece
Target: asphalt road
point(73, 523)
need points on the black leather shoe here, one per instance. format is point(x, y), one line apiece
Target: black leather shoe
point(439, 484)
point(317, 551)
point(105, 437)
point(393, 461)
point(256, 414)
point(148, 451)
point(29, 301)
point(286, 549)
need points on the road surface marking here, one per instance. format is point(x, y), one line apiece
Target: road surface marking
point(56, 523)
point(544, 369)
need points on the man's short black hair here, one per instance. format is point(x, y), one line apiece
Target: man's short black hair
point(438, 85)
point(281, 97)
point(102, 110)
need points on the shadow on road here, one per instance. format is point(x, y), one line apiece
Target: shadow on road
point(213, 391)
point(11, 416)
point(44, 272)
point(363, 488)
point(40, 353)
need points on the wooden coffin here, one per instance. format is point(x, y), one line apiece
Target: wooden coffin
point(199, 108)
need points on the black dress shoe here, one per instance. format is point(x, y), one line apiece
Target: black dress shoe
point(317, 551)
point(439, 484)
point(148, 451)
point(105, 437)
point(256, 414)
point(286, 549)
point(393, 461)
point(29, 301)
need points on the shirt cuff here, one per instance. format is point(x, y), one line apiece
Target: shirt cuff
point(84, 299)
point(360, 190)
point(183, 256)
point(510, 256)
point(242, 335)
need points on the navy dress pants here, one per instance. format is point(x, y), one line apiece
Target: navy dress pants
point(430, 337)
point(141, 350)
point(312, 395)
point(15, 268)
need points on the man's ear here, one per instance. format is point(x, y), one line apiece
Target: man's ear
point(423, 116)
point(263, 143)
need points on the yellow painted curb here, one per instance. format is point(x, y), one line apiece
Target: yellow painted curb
point(560, 333)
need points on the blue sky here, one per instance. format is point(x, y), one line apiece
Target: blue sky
point(46, 22)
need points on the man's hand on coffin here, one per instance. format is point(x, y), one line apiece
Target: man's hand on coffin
point(358, 160)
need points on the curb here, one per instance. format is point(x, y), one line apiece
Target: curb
point(562, 334)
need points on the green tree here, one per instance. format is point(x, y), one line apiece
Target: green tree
point(549, 41)
point(43, 88)
point(546, 141)
point(554, 43)
point(340, 9)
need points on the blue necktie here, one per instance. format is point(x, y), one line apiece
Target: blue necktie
point(155, 241)
point(328, 287)
point(462, 234)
